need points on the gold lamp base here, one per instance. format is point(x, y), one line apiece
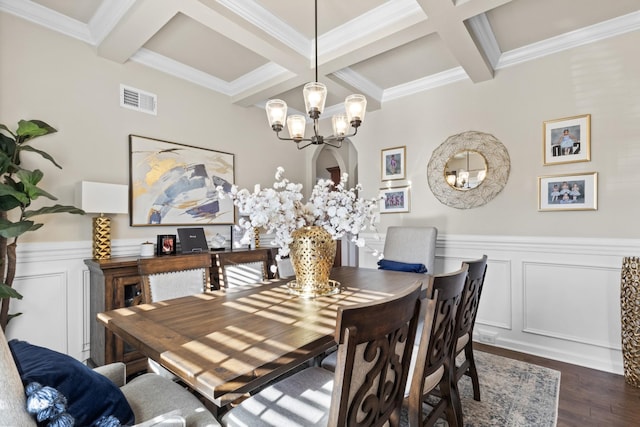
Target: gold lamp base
point(101, 237)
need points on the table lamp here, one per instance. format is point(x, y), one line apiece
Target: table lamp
point(102, 198)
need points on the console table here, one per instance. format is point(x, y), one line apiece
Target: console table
point(115, 283)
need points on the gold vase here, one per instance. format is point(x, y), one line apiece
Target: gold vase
point(630, 319)
point(312, 253)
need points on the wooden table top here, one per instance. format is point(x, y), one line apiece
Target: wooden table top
point(230, 341)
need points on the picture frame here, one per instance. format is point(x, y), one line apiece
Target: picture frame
point(568, 192)
point(567, 140)
point(393, 164)
point(166, 244)
point(395, 200)
point(175, 184)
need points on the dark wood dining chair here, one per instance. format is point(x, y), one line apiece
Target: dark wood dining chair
point(243, 268)
point(477, 270)
point(368, 386)
point(174, 276)
point(433, 367)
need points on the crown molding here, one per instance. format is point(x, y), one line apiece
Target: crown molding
point(48, 18)
point(257, 15)
point(356, 80)
point(430, 82)
point(570, 40)
point(178, 69)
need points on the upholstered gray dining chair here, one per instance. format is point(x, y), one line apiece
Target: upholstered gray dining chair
point(368, 385)
point(167, 278)
point(464, 334)
point(414, 245)
point(432, 370)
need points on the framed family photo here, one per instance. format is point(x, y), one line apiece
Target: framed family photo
point(395, 200)
point(393, 163)
point(567, 140)
point(175, 184)
point(166, 244)
point(573, 192)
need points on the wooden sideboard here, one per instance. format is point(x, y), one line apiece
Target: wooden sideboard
point(115, 283)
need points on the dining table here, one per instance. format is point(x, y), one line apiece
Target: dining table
point(227, 342)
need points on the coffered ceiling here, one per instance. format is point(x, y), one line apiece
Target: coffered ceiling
point(253, 50)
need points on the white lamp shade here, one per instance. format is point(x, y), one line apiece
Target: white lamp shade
point(356, 107)
point(340, 124)
point(315, 94)
point(98, 197)
point(296, 124)
point(276, 112)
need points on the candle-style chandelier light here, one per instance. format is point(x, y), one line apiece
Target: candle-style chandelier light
point(315, 94)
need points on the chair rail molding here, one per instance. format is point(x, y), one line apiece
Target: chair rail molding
point(529, 302)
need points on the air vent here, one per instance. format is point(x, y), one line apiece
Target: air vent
point(136, 99)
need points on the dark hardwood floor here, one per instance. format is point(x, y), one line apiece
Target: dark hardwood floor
point(588, 397)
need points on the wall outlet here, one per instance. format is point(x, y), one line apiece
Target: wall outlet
point(487, 337)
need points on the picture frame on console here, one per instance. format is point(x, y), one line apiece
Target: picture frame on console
point(393, 164)
point(175, 184)
point(166, 244)
point(395, 200)
point(567, 140)
point(568, 192)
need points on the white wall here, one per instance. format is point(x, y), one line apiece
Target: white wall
point(554, 294)
point(45, 75)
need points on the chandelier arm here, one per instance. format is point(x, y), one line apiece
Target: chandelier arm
point(303, 146)
point(296, 140)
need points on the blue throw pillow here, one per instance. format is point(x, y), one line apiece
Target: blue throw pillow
point(90, 396)
point(387, 264)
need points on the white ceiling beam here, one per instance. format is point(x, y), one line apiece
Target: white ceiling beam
point(137, 26)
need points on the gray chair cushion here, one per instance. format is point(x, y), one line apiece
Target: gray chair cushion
point(302, 399)
point(151, 395)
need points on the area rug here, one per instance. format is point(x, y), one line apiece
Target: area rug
point(512, 393)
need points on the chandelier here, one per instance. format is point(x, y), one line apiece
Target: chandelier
point(315, 95)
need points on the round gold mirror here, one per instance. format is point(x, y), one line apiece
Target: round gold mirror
point(481, 184)
point(465, 170)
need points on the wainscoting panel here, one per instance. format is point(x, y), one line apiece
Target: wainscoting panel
point(495, 306)
point(44, 310)
point(555, 298)
point(552, 297)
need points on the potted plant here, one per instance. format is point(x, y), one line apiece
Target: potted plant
point(18, 188)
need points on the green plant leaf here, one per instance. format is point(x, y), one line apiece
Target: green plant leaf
point(7, 291)
point(29, 129)
point(42, 153)
point(7, 190)
point(7, 145)
point(8, 202)
point(54, 209)
point(10, 229)
point(11, 316)
point(29, 180)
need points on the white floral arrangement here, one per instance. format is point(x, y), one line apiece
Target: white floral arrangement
point(280, 210)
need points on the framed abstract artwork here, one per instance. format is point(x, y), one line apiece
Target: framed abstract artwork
point(570, 192)
point(175, 184)
point(395, 200)
point(393, 163)
point(567, 140)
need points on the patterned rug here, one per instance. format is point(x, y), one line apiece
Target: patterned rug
point(513, 393)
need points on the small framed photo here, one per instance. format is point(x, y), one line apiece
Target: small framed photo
point(166, 244)
point(393, 163)
point(574, 192)
point(394, 200)
point(567, 140)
